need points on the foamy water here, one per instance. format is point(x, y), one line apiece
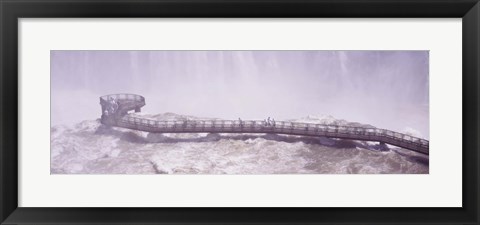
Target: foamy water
point(92, 148)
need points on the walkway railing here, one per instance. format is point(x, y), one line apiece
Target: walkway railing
point(259, 126)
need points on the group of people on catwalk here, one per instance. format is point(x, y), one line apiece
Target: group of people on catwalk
point(266, 122)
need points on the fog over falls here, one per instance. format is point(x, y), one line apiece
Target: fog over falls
point(387, 89)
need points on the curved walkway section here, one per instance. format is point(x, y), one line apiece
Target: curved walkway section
point(129, 102)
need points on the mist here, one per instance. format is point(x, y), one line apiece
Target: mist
point(387, 89)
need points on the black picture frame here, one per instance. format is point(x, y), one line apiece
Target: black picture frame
point(12, 10)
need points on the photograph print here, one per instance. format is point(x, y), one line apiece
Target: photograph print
point(243, 112)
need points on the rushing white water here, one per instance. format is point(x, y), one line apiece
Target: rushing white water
point(91, 148)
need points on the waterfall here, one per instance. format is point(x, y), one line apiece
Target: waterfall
point(388, 89)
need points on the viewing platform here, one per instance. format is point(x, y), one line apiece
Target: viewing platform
point(115, 110)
